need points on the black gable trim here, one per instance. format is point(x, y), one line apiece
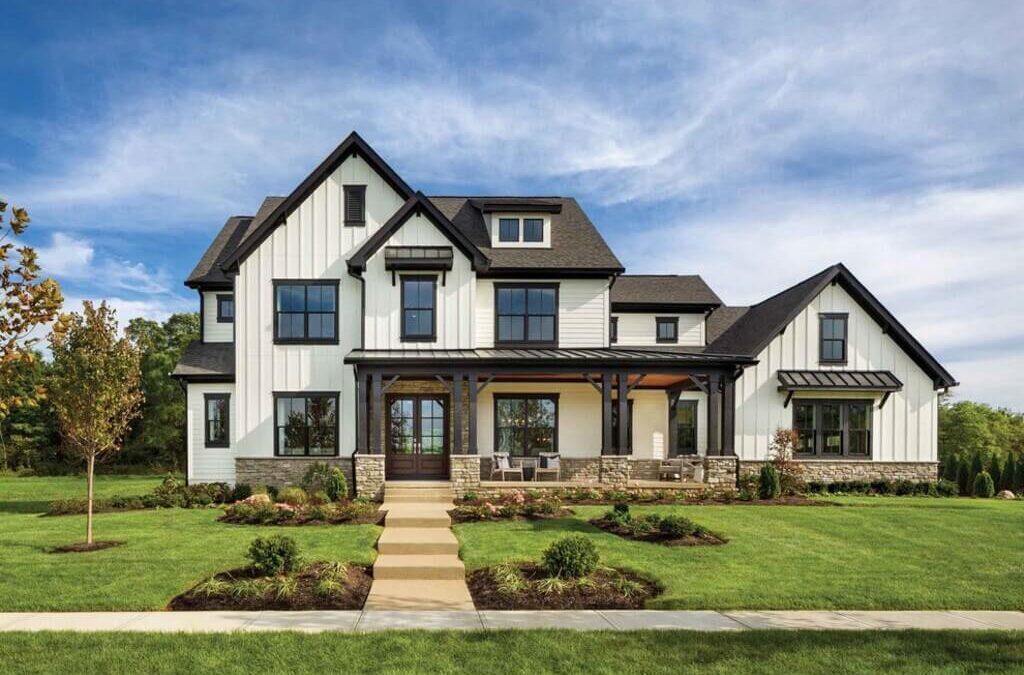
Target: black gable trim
point(417, 203)
point(353, 145)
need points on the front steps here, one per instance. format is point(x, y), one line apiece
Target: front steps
point(417, 565)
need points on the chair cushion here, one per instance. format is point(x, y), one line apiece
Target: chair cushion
point(502, 462)
point(549, 462)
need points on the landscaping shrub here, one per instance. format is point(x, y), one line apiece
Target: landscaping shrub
point(947, 488)
point(241, 491)
point(293, 496)
point(883, 486)
point(678, 526)
point(768, 484)
point(274, 555)
point(780, 450)
point(330, 479)
point(983, 486)
point(996, 472)
point(319, 498)
point(950, 467)
point(904, 487)
point(977, 466)
point(572, 557)
point(963, 479)
point(1010, 474)
point(747, 486)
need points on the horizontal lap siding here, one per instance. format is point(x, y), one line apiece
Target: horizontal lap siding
point(582, 312)
point(208, 465)
point(904, 430)
point(212, 330)
point(312, 244)
point(640, 330)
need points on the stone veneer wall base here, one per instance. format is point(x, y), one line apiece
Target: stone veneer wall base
point(281, 471)
point(370, 476)
point(830, 471)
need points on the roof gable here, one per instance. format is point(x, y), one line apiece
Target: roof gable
point(417, 204)
point(352, 145)
point(757, 327)
point(207, 272)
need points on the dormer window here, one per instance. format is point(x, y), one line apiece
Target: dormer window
point(508, 229)
point(533, 229)
point(667, 329)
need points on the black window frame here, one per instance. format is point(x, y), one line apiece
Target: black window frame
point(844, 341)
point(844, 428)
point(501, 234)
point(613, 330)
point(308, 395)
point(669, 321)
point(532, 221)
point(354, 219)
point(225, 420)
point(278, 340)
point(405, 335)
point(505, 396)
point(525, 342)
point(689, 403)
point(221, 299)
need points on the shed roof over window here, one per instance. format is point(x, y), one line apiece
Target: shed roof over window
point(838, 380)
point(418, 257)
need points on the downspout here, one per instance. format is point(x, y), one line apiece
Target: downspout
point(355, 369)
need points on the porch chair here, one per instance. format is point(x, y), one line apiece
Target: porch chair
point(677, 468)
point(548, 467)
point(502, 468)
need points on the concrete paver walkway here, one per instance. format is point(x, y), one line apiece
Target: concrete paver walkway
point(613, 620)
point(418, 565)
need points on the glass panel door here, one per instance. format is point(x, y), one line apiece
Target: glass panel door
point(686, 428)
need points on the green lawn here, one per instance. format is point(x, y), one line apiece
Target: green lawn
point(870, 553)
point(167, 550)
point(517, 652)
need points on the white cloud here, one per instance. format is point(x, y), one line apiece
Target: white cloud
point(73, 259)
point(67, 256)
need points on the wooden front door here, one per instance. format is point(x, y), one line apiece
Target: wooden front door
point(417, 437)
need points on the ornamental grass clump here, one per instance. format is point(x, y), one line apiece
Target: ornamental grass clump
point(571, 557)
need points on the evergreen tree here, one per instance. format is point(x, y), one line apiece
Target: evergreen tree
point(1018, 482)
point(963, 479)
point(1009, 473)
point(950, 467)
point(977, 466)
point(996, 472)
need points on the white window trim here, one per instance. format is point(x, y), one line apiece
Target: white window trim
point(495, 230)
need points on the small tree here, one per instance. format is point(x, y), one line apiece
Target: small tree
point(950, 467)
point(996, 472)
point(977, 466)
point(769, 485)
point(983, 486)
point(94, 388)
point(1010, 474)
point(784, 443)
point(1018, 481)
point(963, 479)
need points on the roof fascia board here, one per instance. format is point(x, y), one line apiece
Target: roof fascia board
point(677, 307)
point(352, 145)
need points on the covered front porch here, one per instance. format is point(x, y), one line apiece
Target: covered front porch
point(462, 415)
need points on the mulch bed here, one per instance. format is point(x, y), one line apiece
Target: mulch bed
point(600, 594)
point(458, 517)
point(352, 596)
point(82, 547)
point(657, 537)
point(794, 500)
point(375, 518)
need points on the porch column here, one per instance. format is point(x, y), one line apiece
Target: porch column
point(376, 408)
point(728, 416)
point(673, 427)
point(714, 414)
point(457, 413)
point(606, 413)
point(623, 404)
point(472, 413)
point(361, 421)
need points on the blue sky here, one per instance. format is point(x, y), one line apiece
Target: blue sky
point(753, 143)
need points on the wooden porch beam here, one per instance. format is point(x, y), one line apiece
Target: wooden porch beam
point(623, 403)
point(473, 392)
point(606, 413)
point(456, 391)
point(376, 408)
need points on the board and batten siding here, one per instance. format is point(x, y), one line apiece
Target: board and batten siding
point(454, 300)
point(641, 330)
point(582, 311)
point(579, 418)
point(212, 330)
point(312, 244)
point(208, 465)
point(904, 430)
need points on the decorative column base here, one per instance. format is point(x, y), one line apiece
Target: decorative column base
point(370, 476)
point(465, 474)
point(615, 470)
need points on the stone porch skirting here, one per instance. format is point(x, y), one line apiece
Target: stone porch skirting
point(830, 471)
point(281, 471)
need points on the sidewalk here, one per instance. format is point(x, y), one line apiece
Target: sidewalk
point(617, 620)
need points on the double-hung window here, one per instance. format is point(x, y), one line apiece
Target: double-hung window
point(225, 308)
point(526, 425)
point(667, 328)
point(526, 314)
point(419, 312)
point(217, 420)
point(613, 330)
point(306, 312)
point(306, 424)
point(833, 331)
point(833, 428)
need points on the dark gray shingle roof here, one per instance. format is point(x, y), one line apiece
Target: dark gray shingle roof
point(662, 289)
point(575, 243)
point(206, 360)
point(207, 270)
point(721, 319)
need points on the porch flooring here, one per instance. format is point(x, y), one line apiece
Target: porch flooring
point(592, 485)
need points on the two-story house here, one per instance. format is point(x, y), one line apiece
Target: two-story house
point(359, 322)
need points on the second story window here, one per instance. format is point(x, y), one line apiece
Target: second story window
point(667, 328)
point(225, 308)
point(526, 314)
point(613, 330)
point(533, 229)
point(508, 229)
point(355, 205)
point(419, 316)
point(832, 347)
point(306, 312)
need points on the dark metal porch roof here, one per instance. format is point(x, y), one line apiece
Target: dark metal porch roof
point(838, 380)
point(598, 358)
